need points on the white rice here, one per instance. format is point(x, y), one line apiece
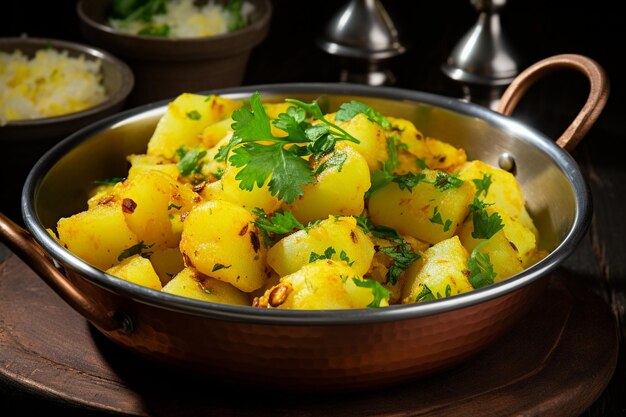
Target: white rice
point(186, 20)
point(50, 84)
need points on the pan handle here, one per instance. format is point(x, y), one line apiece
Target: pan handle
point(598, 92)
point(27, 249)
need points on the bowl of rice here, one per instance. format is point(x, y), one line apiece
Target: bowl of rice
point(50, 88)
point(177, 45)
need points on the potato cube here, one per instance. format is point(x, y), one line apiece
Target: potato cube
point(185, 119)
point(339, 187)
point(441, 272)
point(324, 285)
point(137, 270)
point(192, 284)
point(220, 240)
point(426, 213)
point(339, 233)
point(89, 235)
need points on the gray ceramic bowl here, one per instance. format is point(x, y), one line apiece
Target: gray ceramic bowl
point(27, 140)
point(165, 67)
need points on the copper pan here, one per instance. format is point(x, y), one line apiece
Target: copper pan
point(313, 350)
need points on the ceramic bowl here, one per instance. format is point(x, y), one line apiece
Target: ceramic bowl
point(26, 140)
point(165, 66)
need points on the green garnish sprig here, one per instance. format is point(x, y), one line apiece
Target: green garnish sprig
point(402, 253)
point(279, 161)
point(485, 226)
point(379, 292)
point(271, 227)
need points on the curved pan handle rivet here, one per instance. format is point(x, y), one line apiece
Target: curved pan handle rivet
point(24, 246)
point(598, 92)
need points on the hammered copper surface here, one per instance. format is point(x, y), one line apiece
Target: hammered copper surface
point(317, 357)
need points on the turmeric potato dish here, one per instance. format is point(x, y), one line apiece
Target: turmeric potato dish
point(282, 205)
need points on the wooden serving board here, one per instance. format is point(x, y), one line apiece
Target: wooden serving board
point(554, 362)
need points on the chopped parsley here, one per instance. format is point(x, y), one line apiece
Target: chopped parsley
point(194, 115)
point(109, 181)
point(217, 267)
point(349, 110)
point(190, 162)
point(436, 218)
point(174, 206)
point(485, 226)
point(137, 249)
point(344, 257)
point(280, 223)
point(482, 185)
point(336, 159)
point(328, 253)
point(403, 256)
point(379, 292)
point(445, 181)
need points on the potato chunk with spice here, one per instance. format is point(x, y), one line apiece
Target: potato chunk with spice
point(89, 236)
point(192, 284)
point(441, 272)
point(220, 240)
point(137, 270)
point(324, 285)
point(431, 211)
point(340, 234)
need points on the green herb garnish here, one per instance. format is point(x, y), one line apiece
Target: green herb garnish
point(281, 166)
point(109, 181)
point(135, 250)
point(482, 185)
point(436, 218)
point(279, 223)
point(379, 292)
point(348, 110)
point(328, 253)
point(403, 256)
point(194, 115)
point(190, 162)
point(217, 267)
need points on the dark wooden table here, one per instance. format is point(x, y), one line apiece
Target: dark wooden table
point(538, 29)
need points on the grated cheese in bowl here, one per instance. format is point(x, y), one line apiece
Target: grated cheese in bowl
point(184, 19)
point(51, 83)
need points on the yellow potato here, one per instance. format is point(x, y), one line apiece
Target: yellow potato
point(441, 272)
point(338, 189)
point(98, 235)
point(148, 200)
point(339, 233)
point(220, 240)
point(137, 270)
point(426, 212)
point(185, 119)
point(192, 284)
point(505, 192)
point(373, 142)
point(167, 263)
point(323, 285)
point(227, 189)
point(433, 152)
point(143, 162)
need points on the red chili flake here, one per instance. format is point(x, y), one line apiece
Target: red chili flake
point(254, 239)
point(128, 206)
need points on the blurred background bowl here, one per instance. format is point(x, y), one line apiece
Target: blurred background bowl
point(25, 141)
point(165, 67)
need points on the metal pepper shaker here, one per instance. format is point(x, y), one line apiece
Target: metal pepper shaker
point(362, 35)
point(483, 60)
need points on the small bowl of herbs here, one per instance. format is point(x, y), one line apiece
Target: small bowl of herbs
point(177, 45)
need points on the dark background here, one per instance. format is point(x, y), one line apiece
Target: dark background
point(430, 29)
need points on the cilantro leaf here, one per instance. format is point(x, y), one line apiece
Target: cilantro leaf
point(292, 123)
point(445, 181)
point(279, 223)
point(409, 180)
point(190, 162)
point(252, 125)
point(481, 269)
point(437, 219)
point(425, 295)
point(109, 181)
point(135, 250)
point(336, 159)
point(217, 267)
point(288, 171)
point(381, 232)
point(233, 7)
point(328, 253)
point(349, 110)
point(379, 292)
point(194, 115)
point(485, 225)
point(344, 257)
point(403, 256)
point(482, 184)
